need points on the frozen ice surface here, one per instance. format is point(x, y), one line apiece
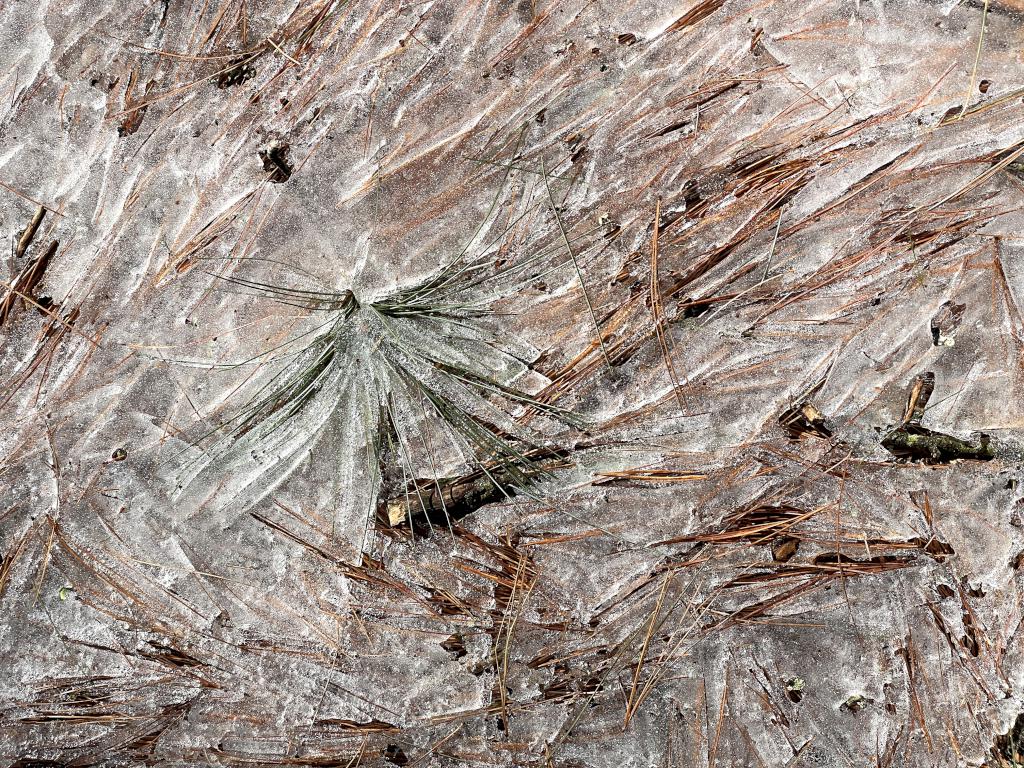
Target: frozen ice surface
point(718, 563)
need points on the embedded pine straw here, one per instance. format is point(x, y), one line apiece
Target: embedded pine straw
point(692, 333)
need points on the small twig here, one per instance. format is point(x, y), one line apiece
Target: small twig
point(30, 231)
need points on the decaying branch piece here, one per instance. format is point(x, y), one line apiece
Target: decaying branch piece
point(913, 442)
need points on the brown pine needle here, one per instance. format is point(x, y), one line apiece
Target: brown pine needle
point(632, 703)
point(713, 754)
point(977, 60)
point(506, 633)
point(664, 340)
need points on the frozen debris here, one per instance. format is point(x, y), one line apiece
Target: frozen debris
point(945, 323)
point(795, 689)
point(803, 421)
point(276, 162)
point(855, 703)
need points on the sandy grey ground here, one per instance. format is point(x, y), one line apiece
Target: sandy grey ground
point(744, 283)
